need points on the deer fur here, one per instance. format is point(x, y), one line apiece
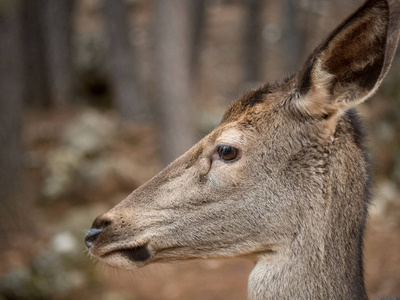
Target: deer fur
point(295, 198)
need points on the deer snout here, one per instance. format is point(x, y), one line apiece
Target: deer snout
point(92, 236)
point(97, 227)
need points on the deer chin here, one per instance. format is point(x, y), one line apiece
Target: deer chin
point(127, 258)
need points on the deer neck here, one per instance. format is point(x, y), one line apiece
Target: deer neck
point(305, 276)
point(324, 259)
point(314, 268)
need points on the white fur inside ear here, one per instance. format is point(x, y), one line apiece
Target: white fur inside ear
point(349, 67)
point(322, 99)
point(317, 100)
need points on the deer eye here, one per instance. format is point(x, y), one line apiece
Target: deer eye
point(227, 152)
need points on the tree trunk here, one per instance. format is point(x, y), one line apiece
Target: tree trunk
point(57, 21)
point(299, 28)
point(252, 43)
point(198, 11)
point(123, 64)
point(294, 36)
point(15, 207)
point(36, 88)
point(173, 80)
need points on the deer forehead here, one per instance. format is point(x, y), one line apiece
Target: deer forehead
point(231, 136)
point(238, 134)
point(250, 108)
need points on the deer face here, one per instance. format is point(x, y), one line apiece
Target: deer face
point(246, 188)
point(222, 198)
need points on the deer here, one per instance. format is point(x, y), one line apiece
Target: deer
point(283, 180)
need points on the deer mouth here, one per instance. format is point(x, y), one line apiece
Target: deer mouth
point(134, 254)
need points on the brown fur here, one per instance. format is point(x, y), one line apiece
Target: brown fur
point(294, 200)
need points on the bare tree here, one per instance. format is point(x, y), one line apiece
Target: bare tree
point(252, 43)
point(172, 77)
point(123, 63)
point(57, 28)
point(15, 206)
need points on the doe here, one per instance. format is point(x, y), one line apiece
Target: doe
point(282, 180)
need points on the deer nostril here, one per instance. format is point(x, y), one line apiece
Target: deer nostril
point(92, 236)
point(101, 222)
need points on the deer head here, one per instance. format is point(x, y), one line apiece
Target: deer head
point(282, 179)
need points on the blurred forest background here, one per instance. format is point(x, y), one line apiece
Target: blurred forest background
point(96, 96)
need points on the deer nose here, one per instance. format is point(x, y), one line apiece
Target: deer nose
point(97, 227)
point(92, 236)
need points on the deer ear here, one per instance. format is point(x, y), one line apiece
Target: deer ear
point(350, 65)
